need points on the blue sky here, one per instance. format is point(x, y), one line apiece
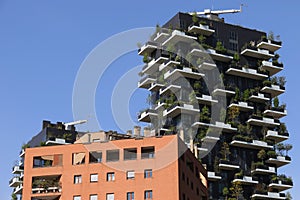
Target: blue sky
point(43, 44)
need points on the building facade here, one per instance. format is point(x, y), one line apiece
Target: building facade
point(96, 168)
point(219, 83)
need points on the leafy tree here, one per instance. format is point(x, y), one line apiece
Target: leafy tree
point(220, 47)
point(225, 192)
point(236, 190)
point(146, 58)
point(195, 18)
point(246, 95)
point(225, 151)
point(276, 102)
point(287, 148)
point(289, 196)
point(271, 35)
point(280, 148)
point(205, 114)
point(13, 196)
point(262, 155)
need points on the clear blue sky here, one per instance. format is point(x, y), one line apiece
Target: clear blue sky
point(43, 43)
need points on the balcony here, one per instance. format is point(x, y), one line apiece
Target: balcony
point(279, 161)
point(153, 65)
point(276, 136)
point(275, 112)
point(254, 144)
point(280, 185)
point(269, 44)
point(161, 36)
point(201, 29)
point(259, 97)
point(269, 195)
point(217, 126)
point(15, 181)
point(22, 153)
point(49, 193)
point(17, 169)
point(174, 74)
point(273, 90)
point(155, 87)
point(243, 106)
point(159, 106)
point(213, 176)
point(169, 64)
point(56, 141)
point(207, 66)
point(270, 67)
point(213, 54)
point(206, 99)
point(178, 36)
point(169, 89)
point(257, 53)
point(228, 165)
point(146, 82)
point(148, 48)
point(177, 109)
point(223, 92)
point(147, 116)
point(246, 73)
point(18, 189)
point(245, 180)
point(263, 170)
point(263, 121)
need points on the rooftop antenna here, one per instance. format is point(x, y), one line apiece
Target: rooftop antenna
point(214, 14)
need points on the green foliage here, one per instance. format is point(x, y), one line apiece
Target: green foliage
point(195, 18)
point(262, 155)
point(280, 148)
point(24, 146)
point(146, 58)
point(225, 192)
point(237, 94)
point(204, 114)
point(220, 47)
point(13, 196)
point(287, 148)
point(246, 95)
point(236, 190)
point(222, 114)
point(289, 196)
point(233, 113)
point(225, 151)
point(202, 39)
point(276, 102)
point(236, 57)
point(271, 35)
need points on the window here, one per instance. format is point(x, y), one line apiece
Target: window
point(148, 173)
point(47, 161)
point(94, 178)
point(95, 157)
point(148, 152)
point(110, 176)
point(110, 196)
point(148, 194)
point(93, 197)
point(130, 154)
point(233, 35)
point(77, 179)
point(78, 158)
point(130, 174)
point(130, 195)
point(76, 197)
point(112, 155)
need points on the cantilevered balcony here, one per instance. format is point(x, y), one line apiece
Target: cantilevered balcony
point(174, 74)
point(178, 36)
point(279, 161)
point(223, 91)
point(243, 106)
point(160, 106)
point(228, 165)
point(275, 112)
point(148, 48)
point(213, 54)
point(169, 89)
point(154, 64)
point(259, 97)
point(257, 53)
point(22, 153)
point(177, 109)
point(169, 64)
point(281, 185)
point(269, 44)
point(18, 189)
point(245, 180)
point(50, 193)
point(56, 141)
point(217, 126)
point(161, 36)
point(271, 68)
point(263, 121)
point(15, 181)
point(17, 169)
point(254, 144)
point(263, 170)
point(273, 90)
point(146, 82)
point(213, 176)
point(147, 115)
point(207, 66)
point(206, 99)
point(246, 73)
point(276, 136)
point(201, 29)
point(155, 87)
point(268, 195)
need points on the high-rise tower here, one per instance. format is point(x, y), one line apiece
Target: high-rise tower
point(217, 85)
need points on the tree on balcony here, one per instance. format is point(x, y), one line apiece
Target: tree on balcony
point(233, 114)
point(220, 48)
point(146, 58)
point(289, 196)
point(14, 196)
point(262, 155)
point(225, 192)
point(225, 151)
point(236, 191)
point(276, 102)
point(205, 114)
point(246, 95)
point(280, 148)
point(287, 148)
point(195, 18)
